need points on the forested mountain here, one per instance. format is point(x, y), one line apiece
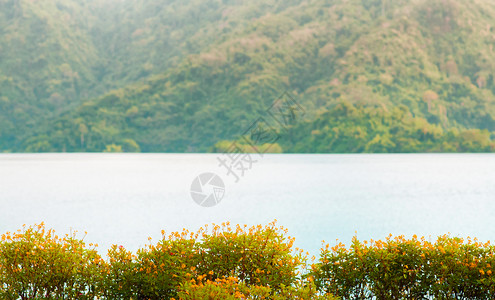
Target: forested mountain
point(189, 75)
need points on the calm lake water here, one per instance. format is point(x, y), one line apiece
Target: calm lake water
point(126, 198)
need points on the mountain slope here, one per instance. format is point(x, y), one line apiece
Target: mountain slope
point(45, 62)
point(410, 65)
point(57, 54)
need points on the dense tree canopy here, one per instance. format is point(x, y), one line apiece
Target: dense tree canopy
point(182, 76)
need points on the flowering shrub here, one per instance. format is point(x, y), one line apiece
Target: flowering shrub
point(160, 269)
point(399, 268)
point(240, 262)
point(230, 288)
point(226, 288)
point(258, 255)
point(37, 264)
point(120, 279)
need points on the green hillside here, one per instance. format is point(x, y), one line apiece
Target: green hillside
point(58, 54)
point(44, 63)
point(182, 76)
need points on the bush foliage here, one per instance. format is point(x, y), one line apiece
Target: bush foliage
point(400, 268)
point(241, 262)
